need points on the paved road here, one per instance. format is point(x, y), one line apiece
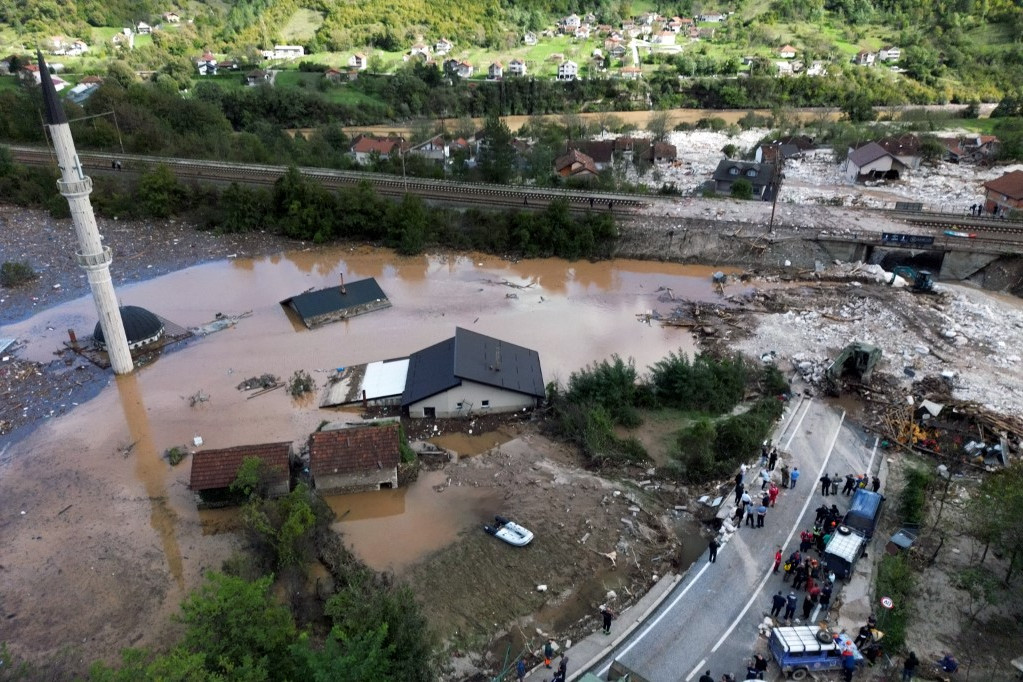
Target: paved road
point(710, 622)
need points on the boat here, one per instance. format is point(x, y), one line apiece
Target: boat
point(509, 531)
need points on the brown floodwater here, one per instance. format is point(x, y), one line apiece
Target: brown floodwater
point(392, 529)
point(572, 313)
point(468, 444)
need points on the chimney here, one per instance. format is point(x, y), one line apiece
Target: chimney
point(344, 292)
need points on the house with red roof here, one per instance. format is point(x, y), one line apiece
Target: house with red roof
point(213, 472)
point(355, 458)
point(1005, 194)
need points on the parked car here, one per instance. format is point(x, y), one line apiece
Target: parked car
point(800, 649)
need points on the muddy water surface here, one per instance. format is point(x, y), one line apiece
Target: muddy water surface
point(571, 313)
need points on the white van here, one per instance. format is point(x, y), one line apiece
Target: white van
point(843, 549)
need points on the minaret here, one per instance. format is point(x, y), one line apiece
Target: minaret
point(94, 258)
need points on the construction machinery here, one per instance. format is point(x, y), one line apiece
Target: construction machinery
point(920, 281)
point(856, 362)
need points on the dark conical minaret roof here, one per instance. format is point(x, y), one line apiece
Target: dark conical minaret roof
point(54, 112)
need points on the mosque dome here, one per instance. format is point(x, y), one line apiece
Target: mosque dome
point(140, 326)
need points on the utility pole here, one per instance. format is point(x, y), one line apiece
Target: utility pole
point(776, 183)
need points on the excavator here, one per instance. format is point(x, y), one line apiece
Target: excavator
point(920, 281)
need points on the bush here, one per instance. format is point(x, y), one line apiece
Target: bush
point(913, 499)
point(774, 382)
point(705, 450)
point(301, 383)
point(742, 189)
point(706, 384)
point(175, 455)
point(16, 273)
point(895, 580)
point(608, 385)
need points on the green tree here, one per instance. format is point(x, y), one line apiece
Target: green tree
point(283, 526)
point(239, 628)
point(159, 194)
point(659, 125)
point(497, 157)
point(742, 189)
point(251, 480)
point(858, 107)
point(362, 657)
point(409, 222)
point(177, 665)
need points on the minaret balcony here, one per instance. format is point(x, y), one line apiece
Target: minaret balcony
point(75, 188)
point(95, 260)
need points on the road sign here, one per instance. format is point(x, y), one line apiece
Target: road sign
point(887, 602)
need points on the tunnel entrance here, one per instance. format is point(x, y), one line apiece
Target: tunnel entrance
point(918, 260)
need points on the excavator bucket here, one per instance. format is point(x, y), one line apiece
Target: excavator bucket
point(856, 362)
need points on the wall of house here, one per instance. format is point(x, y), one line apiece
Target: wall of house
point(472, 395)
point(374, 479)
point(882, 165)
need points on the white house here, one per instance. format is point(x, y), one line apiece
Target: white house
point(206, 64)
point(663, 38)
point(632, 73)
point(495, 71)
point(171, 18)
point(568, 71)
point(464, 70)
point(288, 51)
point(872, 162)
point(442, 47)
point(472, 374)
point(142, 28)
point(516, 67)
point(784, 68)
point(420, 50)
point(817, 68)
point(358, 61)
point(787, 52)
point(434, 149)
point(889, 54)
point(529, 38)
point(865, 58)
point(571, 23)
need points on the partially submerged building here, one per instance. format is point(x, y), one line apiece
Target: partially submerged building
point(317, 308)
point(355, 458)
point(213, 472)
point(472, 374)
point(380, 383)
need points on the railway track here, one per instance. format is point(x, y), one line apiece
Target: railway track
point(460, 193)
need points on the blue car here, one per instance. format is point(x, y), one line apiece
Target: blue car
point(800, 649)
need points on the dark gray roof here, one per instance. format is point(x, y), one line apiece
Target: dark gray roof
point(139, 325)
point(868, 153)
point(312, 304)
point(763, 172)
point(473, 357)
point(54, 112)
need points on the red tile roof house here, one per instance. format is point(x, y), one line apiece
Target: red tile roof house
point(363, 147)
point(213, 471)
point(1004, 194)
point(355, 459)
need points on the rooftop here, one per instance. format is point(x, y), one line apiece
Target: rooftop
point(360, 296)
point(355, 449)
point(212, 469)
point(1010, 184)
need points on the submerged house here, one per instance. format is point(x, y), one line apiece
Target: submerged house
point(471, 374)
point(355, 458)
point(213, 472)
point(317, 308)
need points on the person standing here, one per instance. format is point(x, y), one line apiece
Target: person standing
point(910, 666)
point(705, 677)
point(738, 479)
point(793, 477)
point(825, 485)
point(765, 478)
point(759, 665)
point(876, 484)
point(548, 653)
point(746, 499)
point(826, 596)
point(807, 607)
point(750, 514)
point(784, 475)
point(850, 485)
point(713, 547)
point(835, 478)
point(822, 513)
point(772, 493)
point(520, 670)
point(790, 606)
point(773, 459)
point(777, 561)
point(777, 604)
point(761, 513)
point(608, 615)
point(563, 668)
point(848, 665)
point(739, 490)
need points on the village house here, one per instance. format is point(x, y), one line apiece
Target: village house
point(759, 175)
point(970, 148)
point(1005, 194)
point(784, 68)
point(82, 92)
point(358, 61)
point(872, 162)
point(576, 165)
point(171, 18)
point(889, 54)
point(126, 37)
point(333, 75)
point(472, 374)
point(258, 77)
point(568, 71)
point(419, 51)
point(516, 67)
point(601, 152)
point(865, 58)
point(631, 73)
point(623, 144)
point(434, 149)
point(905, 148)
point(787, 52)
point(31, 72)
point(658, 152)
point(663, 38)
point(206, 64)
point(791, 147)
point(582, 33)
point(529, 38)
point(288, 51)
point(570, 23)
point(464, 70)
point(142, 28)
point(355, 458)
point(213, 472)
point(365, 146)
point(442, 47)
point(714, 18)
point(495, 71)
point(817, 68)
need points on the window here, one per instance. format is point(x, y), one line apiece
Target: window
point(430, 412)
point(485, 403)
point(459, 405)
point(752, 173)
point(733, 171)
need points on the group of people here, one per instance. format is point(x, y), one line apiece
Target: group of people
point(560, 675)
point(853, 482)
point(754, 505)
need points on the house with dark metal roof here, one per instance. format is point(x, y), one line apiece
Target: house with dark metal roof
point(472, 374)
point(355, 458)
point(213, 472)
point(317, 308)
point(759, 175)
point(872, 162)
point(601, 151)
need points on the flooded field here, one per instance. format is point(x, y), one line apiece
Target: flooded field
point(126, 510)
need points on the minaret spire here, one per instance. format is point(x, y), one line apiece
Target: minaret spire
point(94, 258)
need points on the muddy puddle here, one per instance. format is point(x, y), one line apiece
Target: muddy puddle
point(469, 444)
point(573, 314)
point(392, 529)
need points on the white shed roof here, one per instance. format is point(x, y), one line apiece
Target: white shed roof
point(385, 378)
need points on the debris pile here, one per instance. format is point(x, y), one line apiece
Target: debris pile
point(262, 381)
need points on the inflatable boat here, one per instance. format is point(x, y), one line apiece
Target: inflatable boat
point(509, 531)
